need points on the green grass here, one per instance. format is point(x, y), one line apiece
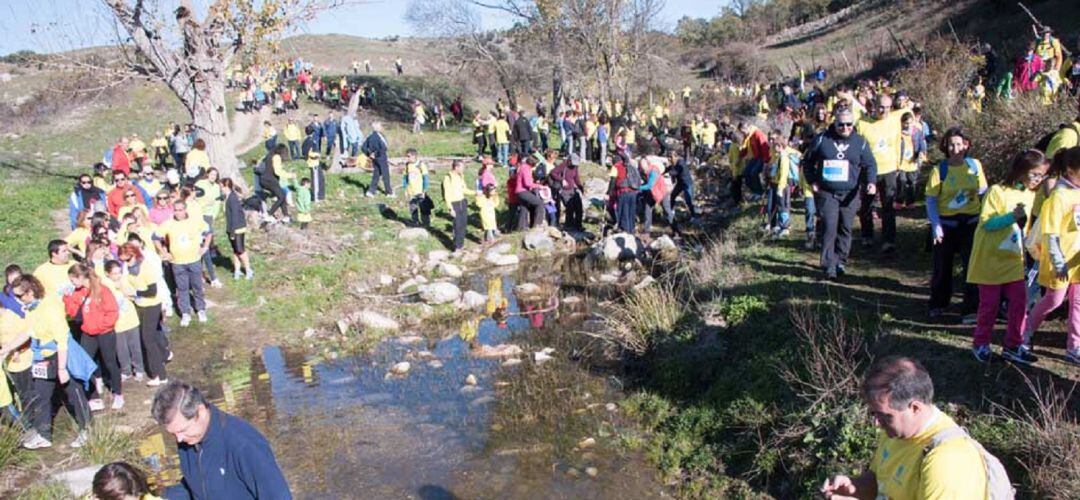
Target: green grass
point(31, 192)
point(46, 490)
point(106, 443)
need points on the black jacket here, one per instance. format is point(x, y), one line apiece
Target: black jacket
point(375, 147)
point(234, 214)
point(852, 153)
point(522, 131)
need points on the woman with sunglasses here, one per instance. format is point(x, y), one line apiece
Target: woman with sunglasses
point(162, 210)
point(953, 199)
point(997, 256)
point(85, 197)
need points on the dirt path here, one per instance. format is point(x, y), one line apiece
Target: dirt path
point(246, 129)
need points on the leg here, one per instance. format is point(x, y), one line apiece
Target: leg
point(1016, 295)
point(195, 278)
point(75, 401)
point(941, 280)
point(91, 344)
point(461, 218)
point(376, 173)
point(645, 208)
point(989, 299)
point(151, 345)
point(669, 213)
point(40, 411)
point(135, 348)
point(970, 291)
point(887, 191)
point(414, 209)
point(1053, 298)
point(830, 218)
point(1072, 343)
point(183, 288)
point(110, 366)
point(847, 220)
point(866, 217)
point(385, 169)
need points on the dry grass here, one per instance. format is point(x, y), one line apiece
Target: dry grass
point(1053, 442)
point(831, 356)
point(644, 317)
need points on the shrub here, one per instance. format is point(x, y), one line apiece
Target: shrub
point(108, 443)
point(10, 439)
point(647, 314)
point(1052, 443)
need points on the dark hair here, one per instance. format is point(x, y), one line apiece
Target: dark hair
point(1070, 159)
point(200, 144)
point(949, 134)
point(1022, 163)
point(28, 282)
point(119, 480)
point(130, 250)
point(281, 150)
point(900, 379)
point(411, 151)
point(176, 397)
point(111, 264)
point(55, 246)
point(12, 269)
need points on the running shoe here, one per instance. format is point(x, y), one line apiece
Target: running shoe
point(96, 404)
point(80, 440)
point(118, 402)
point(202, 316)
point(185, 320)
point(154, 382)
point(982, 353)
point(34, 441)
point(1019, 355)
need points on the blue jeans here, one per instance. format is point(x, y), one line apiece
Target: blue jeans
point(626, 211)
point(504, 154)
point(294, 150)
point(189, 281)
point(811, 214)
point(752, 176)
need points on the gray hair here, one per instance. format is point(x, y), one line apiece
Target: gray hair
point(177, 396)
point(900, 379)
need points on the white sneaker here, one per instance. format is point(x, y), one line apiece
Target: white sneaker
point(96, 404)
point(118, 402)
point(202, 316)
point(168, 313)
point(34, 441)
point(250, 275)
point(368, 195)
point(185, 320)
point(215, 284)
point(154, 382)
point(139, 377)
point(124, 377)
point(80, 440)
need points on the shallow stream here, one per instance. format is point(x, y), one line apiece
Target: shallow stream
point(346, 428)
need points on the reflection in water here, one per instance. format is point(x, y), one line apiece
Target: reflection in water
point(346, 429)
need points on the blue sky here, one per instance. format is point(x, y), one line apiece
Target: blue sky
point(56, 25)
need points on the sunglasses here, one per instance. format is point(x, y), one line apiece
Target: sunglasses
point(84, 183)
point(162, 198)
point(845, 124)
point(129, 195)
point(119, 179)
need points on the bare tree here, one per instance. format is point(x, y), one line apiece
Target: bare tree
point(192, 60)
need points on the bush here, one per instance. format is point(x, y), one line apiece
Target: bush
point(644, 317)
point(10, 439)
point(108, 443)
point(1052, 444)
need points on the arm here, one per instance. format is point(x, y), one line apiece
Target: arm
point(259, 471)
point(651, 182)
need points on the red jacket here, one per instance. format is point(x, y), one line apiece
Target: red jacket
point(115, 199)
point(98, 316)
point(120, 162)
point(524, 178)
point(759, 146)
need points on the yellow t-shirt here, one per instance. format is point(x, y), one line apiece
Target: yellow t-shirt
point(1059, 217)
point(11, 325)
point(183, 238)
point(997, 257)
point(708, 134)
point(959, 194)
point(55, 279)
point(502, 132)
point(454, 189)
point(292, 132)
point(953, 469)
point(487, 207)
point(908, 161)
point(128, 318)
point(77, 238)
point(415, 172)
point(149, 274)
point(48, 323)
point(883, 137)
point(196, 159)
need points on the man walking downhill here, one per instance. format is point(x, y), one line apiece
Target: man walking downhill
point(884, 135)
point(375, 147)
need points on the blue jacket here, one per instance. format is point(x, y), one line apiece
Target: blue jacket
point(233, 461)
point(350, 130)
point(330, 130)
point(9, 302)
point(375, 147)
point(76, 204)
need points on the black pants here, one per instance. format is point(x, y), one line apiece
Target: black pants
point(318, 183)
point(41, 411)
point(736, 188)
point(525, 147)
point(271, 184)
point(23, 384)
point(956, 242)
point(154, 344)
point(420, 210)
point(625, 210)
point(886, 195)
point(461, 222)
point(571, 204)
point(380, 170)
point(535, 206)
point(104, 344)
point(686, 189)
point(481, 144)
point(905, 190)
point(646, 205)
point(837, 211)
point(492, 146)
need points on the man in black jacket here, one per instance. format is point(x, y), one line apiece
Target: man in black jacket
point(838, 164)
point(375, 147)
point(523, 134)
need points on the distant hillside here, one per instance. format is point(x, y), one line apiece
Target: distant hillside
point(335, 53)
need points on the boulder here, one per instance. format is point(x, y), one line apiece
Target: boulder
point(499, 351)
point(498, 259)
point(665, 248)
point(439, 293)
point(413, 233)
point(538, 240)
point(596, 187)
point(411, 284)
point(500, 248)
point(473, 300)
point(470, 379)
point(400, 368)
point(374, 320)
point(449, 270)
point(527, 289)
point(438, 255)
point(386, 280)
point(617, 248)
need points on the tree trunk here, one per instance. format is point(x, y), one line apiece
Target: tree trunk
point(208, 113)
point(556, 90)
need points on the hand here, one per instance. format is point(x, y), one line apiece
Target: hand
point(938, 234)
point(814, 187)
point(167, 257)
point(871, 189)
point(1062, 273)
point(1018, 213)
point(63, 375)
point(452, 214)
point(203, 250)
point(839, 487)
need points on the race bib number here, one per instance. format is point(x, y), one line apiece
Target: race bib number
point(40, 370)
point(1076, 217)
point(835, 170)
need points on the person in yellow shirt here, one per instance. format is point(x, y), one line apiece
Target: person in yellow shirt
point(138, 151)
point(454, 192)
point(780, 174)
point(15, 351)
point(686, 97)
point(997, 256)
point(501, 130)
point(1066, 137)
point(159, 151)
point(953, 192)
point(54, 273)
point(293, 135)
point(78, 237)
point(1048, 48)
point(419, 117)
point(912, 154)
point(975, 96)
point(708, 131)
point(144, 276)
point(487, 202)
point(921, 453)
point(480, 135)
point(197, 161)
point(182, 241)
point(415, 184)
point(128, 346)
point(1059, 254)
point(883, 135)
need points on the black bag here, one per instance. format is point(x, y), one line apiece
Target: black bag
point(633, 178)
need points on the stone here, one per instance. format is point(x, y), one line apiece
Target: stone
point(592, 471)
point(367, 235)
point(617, 247)
point(500, 248)
point(511, 362)
point(497, 259)
point(449, 270)
point(308, 333)
point(343, 326)
point(413, 233)
point(470, 379)
point(386, 280)
point(527, 289)
point(411, 283)
point(482, 400)
point(400, 368)
point(499, 351)
point(473, 300)
point(645, 283)
point(595, 186)
point(439, 293)
point(435, 363)
point(572, 472)
point(611, 407)
point(374, 320)
point(665, 248)
point(438, 255)
point(586, 443)
point(538, 240)
point(78, 481)
point(541, 357)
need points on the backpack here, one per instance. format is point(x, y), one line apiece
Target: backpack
point(943, 167)
point(633, 178)
point(793, 168)
point(998, 486)
point(1044, 143)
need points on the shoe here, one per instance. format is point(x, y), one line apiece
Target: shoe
point(168, 313)
point(368, 194)
point(969, 319)
point(96, 404)
point(1019, 355)
point(139, 377)
point(840, 271)
point(118, 402)
point(1073, 357)
point(202, 316)
point(236, 275)
point(185, 320)
point(154, 382)
point(34, 441)
point(888, 248)
point(982, 353)
point(286, 220)
point(169, 358)
point(811, 242)
point(80, 440)
point(124, 377)
point(215, 284)
point(830, 275)
point(783, 233)
point(250, 275)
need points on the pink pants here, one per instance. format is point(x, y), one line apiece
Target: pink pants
point(989, 298)
point(1051, 301)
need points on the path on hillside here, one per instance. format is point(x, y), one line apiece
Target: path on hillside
point(246, 129)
